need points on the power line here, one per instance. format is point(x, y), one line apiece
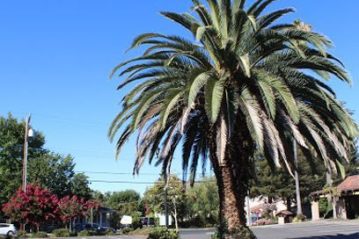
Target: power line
point(120, 182)
point(121, 173)
point(142, 183)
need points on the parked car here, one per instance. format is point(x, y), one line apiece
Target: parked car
point(7, 230)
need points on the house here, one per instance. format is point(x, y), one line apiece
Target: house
point(345, 199)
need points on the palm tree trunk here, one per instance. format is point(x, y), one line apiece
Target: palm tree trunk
point(232, 194)
point(233, 175)
point(232, 200)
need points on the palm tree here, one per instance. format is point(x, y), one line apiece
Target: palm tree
point(245, 84)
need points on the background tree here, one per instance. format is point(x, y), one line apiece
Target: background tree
point(203, 202)
point(80, 186)
point(34, 207)
point(11, 154)
point(125, 202)
point(154, 198)
point(245, 85)
point(279, 184)
point(52, 171)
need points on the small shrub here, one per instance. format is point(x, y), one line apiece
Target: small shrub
point(162, 233)
point(299, 218)
point(62, 232)
point(126, 230)
point(39, 235)
point(21, 234)
point(84, 233)
point(110, 233)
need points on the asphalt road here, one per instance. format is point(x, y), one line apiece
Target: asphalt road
point(308, 230)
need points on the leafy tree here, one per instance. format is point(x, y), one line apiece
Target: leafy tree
point(203, 202)
point(80, 186)
point(279, 184)
point(125, 202)
point(11, 154)
point(52, 171)
point(246, 84)
point(154, 198)
point(33, 207)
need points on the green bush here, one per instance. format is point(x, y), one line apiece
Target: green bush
point(62, 232)
point(126, 230)
point(162, 233)
point(21, 234)
point(299, 218)
point(110, 233)
point(84, 233)
point(39, 235)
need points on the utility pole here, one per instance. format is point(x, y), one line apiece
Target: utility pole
point(296, 177)
point(166, 206)
point(28, 133)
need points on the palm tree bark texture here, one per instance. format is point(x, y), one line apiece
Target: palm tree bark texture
point(243, 85)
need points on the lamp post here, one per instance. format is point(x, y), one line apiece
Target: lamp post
point(28, 133)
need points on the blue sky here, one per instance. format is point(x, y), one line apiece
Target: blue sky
point(55, 58)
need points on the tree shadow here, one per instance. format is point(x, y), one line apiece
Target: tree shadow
point(339, 236)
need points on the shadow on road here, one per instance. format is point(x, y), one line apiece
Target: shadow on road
point(339, 236)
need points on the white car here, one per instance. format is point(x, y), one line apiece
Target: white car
point(7, 230)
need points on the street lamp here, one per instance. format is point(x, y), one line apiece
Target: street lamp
point(28, 134)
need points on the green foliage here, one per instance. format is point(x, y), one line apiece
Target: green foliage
point(11, 154)
point(85, 233)
point(203, 203)
point(21, 234)
point(50, 165)
point(110, 233)
point(136, 220)
point(176, 197)
point(80, 186)
point(42, 163)
point(299, 218)
point(62, 232)
point(127, 230)
point(39, 235)
point(279, 184)
point(162, 233)
point(125, 202)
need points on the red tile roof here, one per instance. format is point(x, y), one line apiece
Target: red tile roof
point(351, 183)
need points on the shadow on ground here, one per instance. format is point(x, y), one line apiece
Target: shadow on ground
point(339, 236)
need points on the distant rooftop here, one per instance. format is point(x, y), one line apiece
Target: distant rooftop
point(350, 184)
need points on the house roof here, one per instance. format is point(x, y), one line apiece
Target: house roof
point(351, 183)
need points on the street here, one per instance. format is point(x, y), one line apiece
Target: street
point(307, 230)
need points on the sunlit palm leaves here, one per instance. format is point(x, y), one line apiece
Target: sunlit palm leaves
point(239, 70)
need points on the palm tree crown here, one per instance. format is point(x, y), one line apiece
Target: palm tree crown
point(243, 69)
